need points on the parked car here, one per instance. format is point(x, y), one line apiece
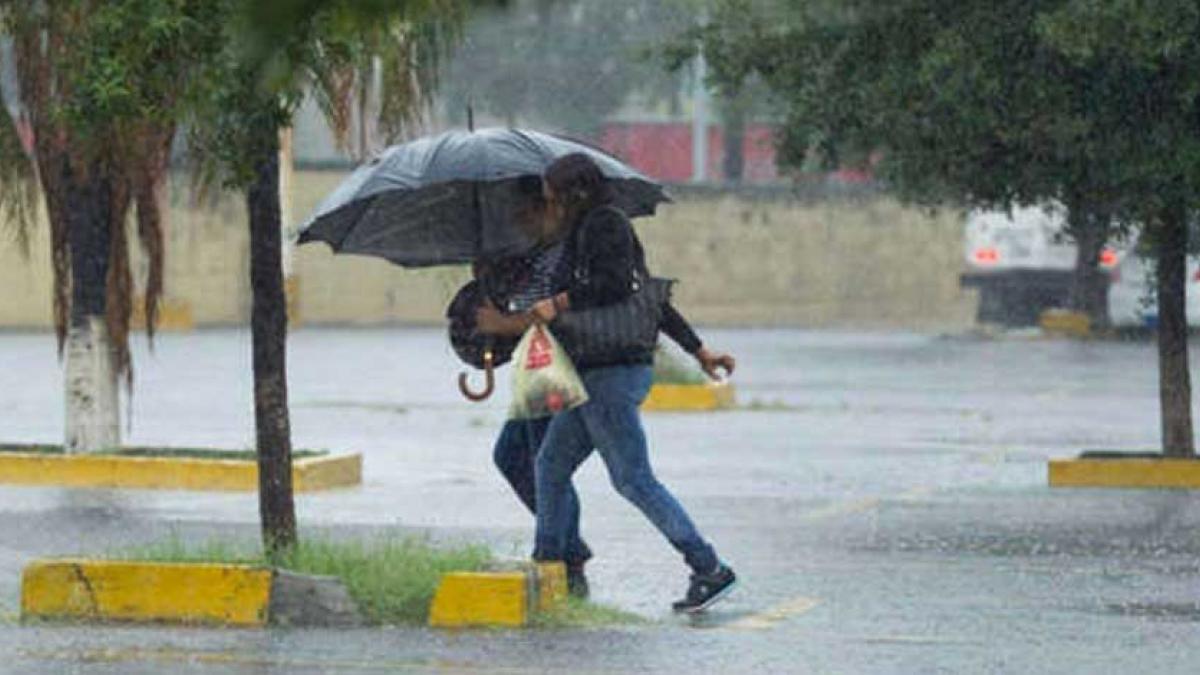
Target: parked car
point(1022, 262)
point(1131, 301)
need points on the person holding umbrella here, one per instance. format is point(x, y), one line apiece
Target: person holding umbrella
point(603, 262)
point(517, 445)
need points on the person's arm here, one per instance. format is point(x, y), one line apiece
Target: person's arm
point(678, 329)
point(491, 321)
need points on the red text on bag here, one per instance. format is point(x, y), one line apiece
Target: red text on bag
point(540, 353)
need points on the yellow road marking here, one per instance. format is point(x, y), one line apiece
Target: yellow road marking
point(767, 620)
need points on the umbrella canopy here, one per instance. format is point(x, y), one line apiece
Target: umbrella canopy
point(455, 197)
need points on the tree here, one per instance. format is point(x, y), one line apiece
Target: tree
point(999, 103)
point(100, 86)
point(274, 55)
point(1149, 50)
point(957, 94)
point(567, 64)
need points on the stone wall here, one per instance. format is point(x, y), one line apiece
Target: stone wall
point(742, 259)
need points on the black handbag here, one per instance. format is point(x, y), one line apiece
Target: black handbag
point(615, 332)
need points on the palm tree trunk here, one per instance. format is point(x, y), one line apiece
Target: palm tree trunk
point(92, 405)
point(269, 335)
point(1175, 387)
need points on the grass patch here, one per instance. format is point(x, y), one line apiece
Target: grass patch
point(576, 613)
point(179, 453)
point(671, 368)
point(392, 580)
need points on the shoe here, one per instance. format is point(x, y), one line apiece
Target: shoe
point(577, 583)
point(705, 589)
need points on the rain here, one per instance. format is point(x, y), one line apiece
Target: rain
point(822, 337)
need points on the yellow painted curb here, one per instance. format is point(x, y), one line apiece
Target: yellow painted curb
point(170, 473)
point(551, 580)
point(1125, 473)
point(501, 598)
point(325, 473)
point(235, 595)
point(688, 397)
point(481, 599)
point(1066, 323)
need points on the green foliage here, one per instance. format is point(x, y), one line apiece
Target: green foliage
point(275, 54)
point(391, 580)
point(567, 64)
point(576, 613)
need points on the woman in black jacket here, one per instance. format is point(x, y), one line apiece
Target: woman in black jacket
point(604, 271)
point(520, 440)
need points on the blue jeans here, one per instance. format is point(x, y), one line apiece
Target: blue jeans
point(514, 454)
point(610, 423)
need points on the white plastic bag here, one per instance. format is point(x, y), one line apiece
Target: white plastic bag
point(545, 381)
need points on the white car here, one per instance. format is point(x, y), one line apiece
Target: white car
point(1022, 263)
point(1131, 302)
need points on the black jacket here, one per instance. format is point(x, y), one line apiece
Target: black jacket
point(603, 255)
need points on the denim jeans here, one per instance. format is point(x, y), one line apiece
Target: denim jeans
point(514, 454)
point(610, 423)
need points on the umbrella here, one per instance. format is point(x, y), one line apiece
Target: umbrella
point(455, 197)
point(452, 198)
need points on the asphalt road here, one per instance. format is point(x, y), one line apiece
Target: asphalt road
point(882, 496)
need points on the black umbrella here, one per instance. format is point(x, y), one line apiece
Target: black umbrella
point(453, 198)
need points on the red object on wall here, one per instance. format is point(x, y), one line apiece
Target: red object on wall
point(663, 150)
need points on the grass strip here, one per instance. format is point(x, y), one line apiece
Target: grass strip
point(576, 613)
point(392, 580)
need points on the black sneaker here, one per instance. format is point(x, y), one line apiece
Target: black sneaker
point(705, 589)
point(577, 583)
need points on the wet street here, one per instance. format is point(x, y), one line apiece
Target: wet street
point(882, 496)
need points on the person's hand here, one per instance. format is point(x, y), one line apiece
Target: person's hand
point(711, 361)
point(489, 320)
point(544, 310)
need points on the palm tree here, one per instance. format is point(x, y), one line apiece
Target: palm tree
point(100, 87)
point(276, 55)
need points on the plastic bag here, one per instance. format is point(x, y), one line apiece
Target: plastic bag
point(544, 379)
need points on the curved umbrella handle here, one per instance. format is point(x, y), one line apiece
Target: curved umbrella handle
point(489, 375)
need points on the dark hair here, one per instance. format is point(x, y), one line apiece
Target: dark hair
point(578, 184)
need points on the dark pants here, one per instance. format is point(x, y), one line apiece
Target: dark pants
point(515, 452)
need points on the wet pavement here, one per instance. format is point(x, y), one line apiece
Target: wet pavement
point(883, 497)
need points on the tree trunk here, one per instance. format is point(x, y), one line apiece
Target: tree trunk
point(1089, 284)
point(1175, 387)
point(92, 405)
point(269, 334)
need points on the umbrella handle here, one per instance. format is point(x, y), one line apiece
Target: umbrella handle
point(489, 375)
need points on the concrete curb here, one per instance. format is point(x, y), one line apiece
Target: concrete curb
point(1131, 472)
point(690, 397)
point(181, 593)
point(171, 473)
point(500, 598)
